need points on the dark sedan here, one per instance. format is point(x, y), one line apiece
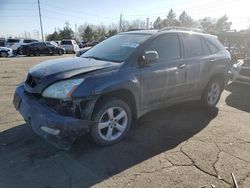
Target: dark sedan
point(38, 48)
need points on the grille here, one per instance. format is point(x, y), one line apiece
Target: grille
point(31, 81)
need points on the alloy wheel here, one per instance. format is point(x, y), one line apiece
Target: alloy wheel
point(112, 123)
point(213, 93)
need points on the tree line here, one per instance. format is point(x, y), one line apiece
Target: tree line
point(90, 32)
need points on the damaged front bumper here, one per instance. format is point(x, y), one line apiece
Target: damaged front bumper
point(57, 129)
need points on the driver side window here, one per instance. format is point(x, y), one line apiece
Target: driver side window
point(167, 46)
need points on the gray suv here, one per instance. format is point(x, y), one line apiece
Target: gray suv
point(119, 80)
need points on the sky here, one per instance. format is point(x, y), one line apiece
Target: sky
point(20, 17)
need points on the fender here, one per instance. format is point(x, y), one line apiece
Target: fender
point(103, 82)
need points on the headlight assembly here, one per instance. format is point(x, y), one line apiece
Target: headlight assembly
point(62, 89)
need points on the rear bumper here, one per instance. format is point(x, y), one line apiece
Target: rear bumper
point(59, 130)
point(69, 49)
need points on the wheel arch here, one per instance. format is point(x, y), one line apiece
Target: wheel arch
point(123, 94)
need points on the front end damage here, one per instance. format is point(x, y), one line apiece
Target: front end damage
point(59, 122)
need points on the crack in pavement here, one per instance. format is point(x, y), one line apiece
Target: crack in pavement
point(202, 170)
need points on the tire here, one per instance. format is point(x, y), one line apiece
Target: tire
point(212, 93)
point(110, 129)
point(18, 51)
point(3, 54)
point(60, 52)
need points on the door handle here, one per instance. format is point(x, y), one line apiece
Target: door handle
point(212, 60)
point(182, 65)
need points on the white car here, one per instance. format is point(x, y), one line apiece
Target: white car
point(6, 52)
point(70, 46)
point(14, 44)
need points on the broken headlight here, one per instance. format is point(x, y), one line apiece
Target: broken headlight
point(62, 89)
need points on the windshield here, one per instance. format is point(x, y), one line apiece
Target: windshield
point(66, 42)
point(51, 44)
point(117, 48)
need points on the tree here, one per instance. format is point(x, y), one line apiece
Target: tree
point(66, 32)
point(222, 24)
point(53, 36)
point(112, 32)
point(99, 33)
point(171, 19)
point(208, 24)
point(88, 34)
point(185, 20)
point(157, 23)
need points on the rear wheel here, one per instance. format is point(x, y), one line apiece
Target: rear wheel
point(114, 119)
point(212, 93)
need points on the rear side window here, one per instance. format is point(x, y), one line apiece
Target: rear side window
point(192, 45)
point(41, 44)
point(27, 41)
point(205, 49)
point(13, 40)
point(66, 42)
point(167, 46)
point(212, 47)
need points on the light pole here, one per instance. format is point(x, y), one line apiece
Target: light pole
point(41, 24)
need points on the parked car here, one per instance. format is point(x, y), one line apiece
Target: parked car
point(14, 44)
point(89, 44)
point(38, 48)
point(240, 72)
point(70, 46)
point(2, 42)
point(82, 51)
point(118, 81)
point(6, 52)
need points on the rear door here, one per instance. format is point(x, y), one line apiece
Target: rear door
point(43, 48)
point(194, 61)
point(163, 80)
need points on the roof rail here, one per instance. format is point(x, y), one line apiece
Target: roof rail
point(181, 29)
point(135, 29)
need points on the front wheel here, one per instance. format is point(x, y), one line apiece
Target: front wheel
point(3, 54)
point(60, 52)
point(212, 93)
point(114, 118)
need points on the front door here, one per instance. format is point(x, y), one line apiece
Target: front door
point(164, 80)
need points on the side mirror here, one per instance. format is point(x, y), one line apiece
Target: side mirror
point(148, 57)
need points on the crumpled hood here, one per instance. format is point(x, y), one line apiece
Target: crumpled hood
point(68, 66)
point(46, 73)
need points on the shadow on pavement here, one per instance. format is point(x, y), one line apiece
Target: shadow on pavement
point(28, 161)
point(239, 97)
